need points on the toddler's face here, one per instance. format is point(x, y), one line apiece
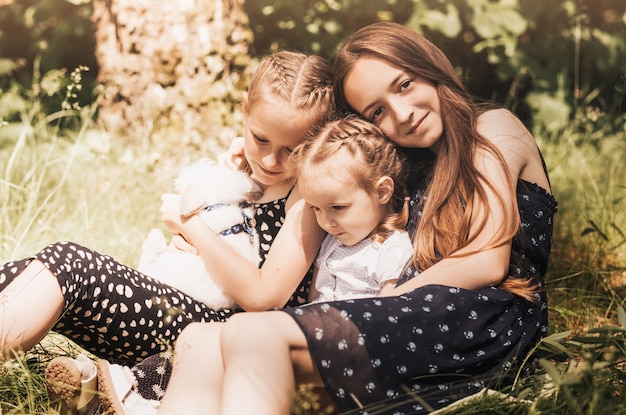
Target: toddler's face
point(342, 208)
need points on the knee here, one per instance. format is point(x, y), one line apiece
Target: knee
point(246, 330)
point(191, 333)
point(198, 336)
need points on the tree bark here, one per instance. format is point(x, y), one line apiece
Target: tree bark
point(171, 68)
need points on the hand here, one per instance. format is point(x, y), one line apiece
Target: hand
point(170, 212)
point(234, 155)
point(180, 243)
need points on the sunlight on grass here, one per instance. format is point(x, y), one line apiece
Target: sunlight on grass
point(61, 178)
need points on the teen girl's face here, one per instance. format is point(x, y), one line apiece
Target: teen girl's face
point(341, 208)
point(404, 106)
point(272, 130)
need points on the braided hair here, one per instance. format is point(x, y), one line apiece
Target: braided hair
point(304, 82)
point(356, 145)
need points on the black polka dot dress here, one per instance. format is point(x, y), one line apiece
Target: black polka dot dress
point(115, 312)
point(436, 344)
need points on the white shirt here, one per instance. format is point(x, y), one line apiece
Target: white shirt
point(360, 270)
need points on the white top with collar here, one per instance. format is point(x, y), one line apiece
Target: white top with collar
point(360, 270)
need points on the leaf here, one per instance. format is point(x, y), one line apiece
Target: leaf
point(621, 316)
point(595, 228)
point(8, 65)
point(513, 21)
point(551, 371)
point(554, 346)
point(449, 24)
point(617, 229)
point(550, 110)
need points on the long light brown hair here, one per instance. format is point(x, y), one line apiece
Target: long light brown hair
point(304, 82)
point(456, 193)
point(362, 149)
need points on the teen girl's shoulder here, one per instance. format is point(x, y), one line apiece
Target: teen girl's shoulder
point(501, 126)
point(516, 144)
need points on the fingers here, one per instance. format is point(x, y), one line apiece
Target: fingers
point(181, 243)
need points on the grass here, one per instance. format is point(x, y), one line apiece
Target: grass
point(62, 178)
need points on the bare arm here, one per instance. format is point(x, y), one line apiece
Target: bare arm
point(290, 256)
point(482, 268)
point(313, 293)
point(386, 290)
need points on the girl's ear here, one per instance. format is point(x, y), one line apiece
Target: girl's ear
point(244, 103)
point(384, 189)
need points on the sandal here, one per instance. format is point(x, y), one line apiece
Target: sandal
point(117, 392)
point(72, 385)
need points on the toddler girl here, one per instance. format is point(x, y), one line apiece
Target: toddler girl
point(354, 179)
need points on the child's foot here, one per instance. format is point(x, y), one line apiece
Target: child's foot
point(72, 385)
point(117, 392)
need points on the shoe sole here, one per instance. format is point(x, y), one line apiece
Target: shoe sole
point(63, 382)
point(108, 397)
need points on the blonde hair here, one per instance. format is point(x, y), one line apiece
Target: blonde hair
point(457, 189)
point(370, 156)
point(303, 81)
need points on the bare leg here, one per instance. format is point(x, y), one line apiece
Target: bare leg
point(197, 376)
point(29, 307)
point(263, 353)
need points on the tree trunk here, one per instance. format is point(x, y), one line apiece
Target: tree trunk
point(172, 68)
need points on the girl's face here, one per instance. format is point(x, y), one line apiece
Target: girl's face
point(404, 106)
point(272, 130)
point(343, 209)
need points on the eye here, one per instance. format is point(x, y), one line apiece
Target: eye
point(404, 85)
point(288, 150)
point(260, 139)
point(376, 113)
point(337, 208)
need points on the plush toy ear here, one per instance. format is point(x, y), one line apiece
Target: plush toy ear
point(384, 188)
point(191, 201)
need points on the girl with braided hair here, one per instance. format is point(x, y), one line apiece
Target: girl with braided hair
point(116, 313)
point(363, 207)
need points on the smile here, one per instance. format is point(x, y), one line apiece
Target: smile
point(268, 172)
point(416, 127)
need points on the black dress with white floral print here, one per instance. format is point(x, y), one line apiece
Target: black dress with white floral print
point(435, 344)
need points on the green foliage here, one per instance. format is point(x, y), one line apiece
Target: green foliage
point(57, 170)
point(316, 26)
point(588, 377)
point(539, 57)
point(51, 92)
point(58, 30)
point(22, 389)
